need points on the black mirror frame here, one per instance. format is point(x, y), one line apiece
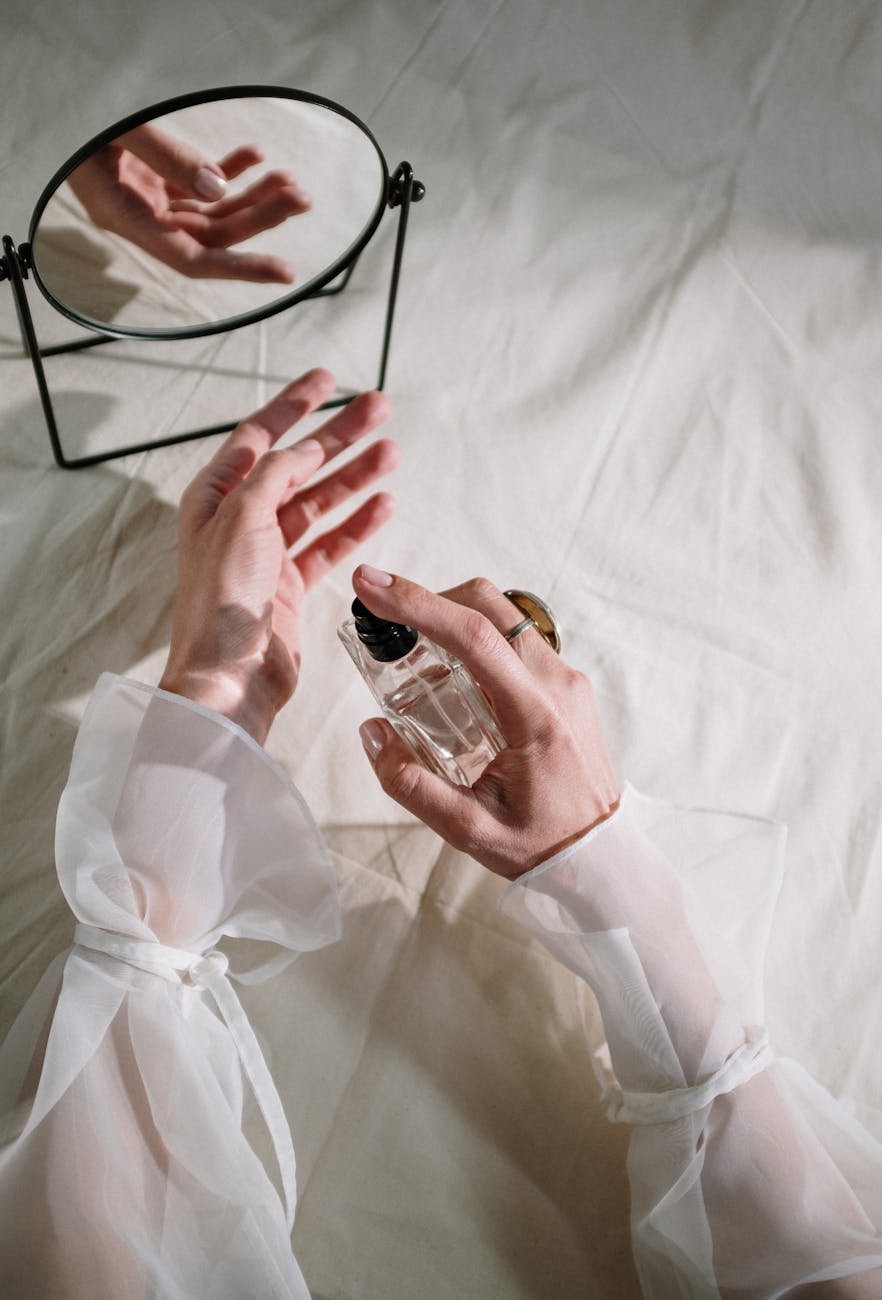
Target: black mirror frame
point(399, 191)
point(347, 258)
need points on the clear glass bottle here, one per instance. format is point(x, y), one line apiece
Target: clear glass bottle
point(429, 697)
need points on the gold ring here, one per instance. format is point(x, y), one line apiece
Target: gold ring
point(538, 613)
point(519, 628)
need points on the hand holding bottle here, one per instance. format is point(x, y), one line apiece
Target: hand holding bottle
point(428, 696)
point(235, 643)
point(554, 779)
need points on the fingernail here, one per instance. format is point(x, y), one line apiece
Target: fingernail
point(374, 577)
point(309, 445)
point(372, 738)
point(209, 185)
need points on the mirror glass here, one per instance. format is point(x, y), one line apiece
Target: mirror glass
point(208, 213)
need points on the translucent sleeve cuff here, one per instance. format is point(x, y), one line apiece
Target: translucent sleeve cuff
point(746, 1176)
point(125, 1170)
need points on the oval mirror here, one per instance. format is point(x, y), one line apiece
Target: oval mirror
point(208, 212)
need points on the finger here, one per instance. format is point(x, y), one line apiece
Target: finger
point(238, 160)
point(214, 481)
point(238, 454)
point(327, 551)
point(276, 473)
point(175, 161)
point(450, 810)
point(235, 459)
point(354, 421)
point(263, 429)
point(233, 466)
point(357, 419)
point(220, 264)
point(317, 499)
point(519, 703)
point(213, 231)
point(482, 595)
point(155, 233)
point(256, 195)
point(162, 239)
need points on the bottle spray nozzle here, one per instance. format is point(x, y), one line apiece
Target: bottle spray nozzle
point(383, 640)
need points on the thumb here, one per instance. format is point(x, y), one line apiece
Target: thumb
point(447, 809)
point(177, 162)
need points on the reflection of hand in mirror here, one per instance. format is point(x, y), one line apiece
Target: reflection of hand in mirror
point(235, 644)
point(169, 199)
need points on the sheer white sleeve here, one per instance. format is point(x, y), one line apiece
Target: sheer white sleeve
point(125, 1170)
point(747, 1178)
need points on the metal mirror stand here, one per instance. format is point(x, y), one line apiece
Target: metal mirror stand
point(404, 189)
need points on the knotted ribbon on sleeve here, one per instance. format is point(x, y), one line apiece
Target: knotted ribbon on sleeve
point(209, 971)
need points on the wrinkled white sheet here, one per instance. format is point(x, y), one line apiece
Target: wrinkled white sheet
point(634, 370)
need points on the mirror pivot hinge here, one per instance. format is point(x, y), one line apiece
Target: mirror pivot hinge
point(22, 255)
point(399, 181)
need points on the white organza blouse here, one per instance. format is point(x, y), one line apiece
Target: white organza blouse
point(125, 1171)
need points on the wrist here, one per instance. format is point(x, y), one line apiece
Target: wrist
point(241, 701)
point(561, 848)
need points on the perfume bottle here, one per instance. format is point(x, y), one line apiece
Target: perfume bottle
point(429, 697)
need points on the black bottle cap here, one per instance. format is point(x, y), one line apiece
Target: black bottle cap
point(383, 640)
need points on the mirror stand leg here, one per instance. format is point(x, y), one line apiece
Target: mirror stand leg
point(404, 190)
point(11, 270)
point(31, 347)
point(336, 286)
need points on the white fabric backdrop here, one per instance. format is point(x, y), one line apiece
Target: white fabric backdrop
point(635, 370)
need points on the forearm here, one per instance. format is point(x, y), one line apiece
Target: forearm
point(620, 882)
point(658, 965)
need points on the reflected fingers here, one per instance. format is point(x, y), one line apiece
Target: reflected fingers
point(238, 160)
point(220, 264)
point(256, 196)
point(225, 232)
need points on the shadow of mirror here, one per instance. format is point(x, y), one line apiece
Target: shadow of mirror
point(161, 386)
point(83, 410)
point(71, 256)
